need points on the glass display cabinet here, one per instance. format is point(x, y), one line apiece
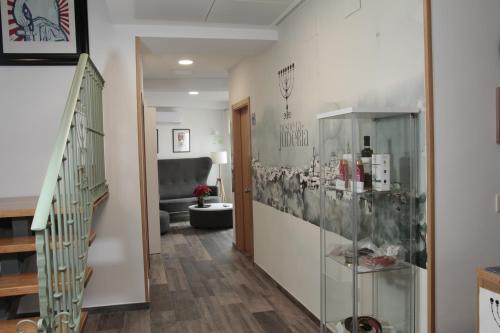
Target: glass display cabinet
point(368, 176)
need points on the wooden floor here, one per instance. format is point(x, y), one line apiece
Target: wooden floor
point(200, 284)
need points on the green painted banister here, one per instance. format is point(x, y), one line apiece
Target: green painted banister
point(50, 180)
point(75, 178)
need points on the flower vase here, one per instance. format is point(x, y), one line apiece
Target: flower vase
point(201, 202)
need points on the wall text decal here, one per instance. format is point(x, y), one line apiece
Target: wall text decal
point(293, 135)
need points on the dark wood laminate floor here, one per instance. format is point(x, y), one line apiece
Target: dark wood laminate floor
point(200, 284)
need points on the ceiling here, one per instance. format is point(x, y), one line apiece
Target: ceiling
point(213, 58)
point(166, 83)
point(248, 12)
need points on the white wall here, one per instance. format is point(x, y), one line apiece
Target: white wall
point(466, 37)
point(117, 252)
point(203, 124)
point(296, 244)
point(29, 118)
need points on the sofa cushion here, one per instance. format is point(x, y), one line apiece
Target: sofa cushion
point(177, 178)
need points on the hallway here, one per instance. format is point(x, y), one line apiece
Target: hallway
point(201, 284)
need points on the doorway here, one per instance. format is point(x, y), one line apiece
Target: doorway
point(242, 177)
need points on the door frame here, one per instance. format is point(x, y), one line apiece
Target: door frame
point(247, 234)
point(142, 165)
point(431, 208)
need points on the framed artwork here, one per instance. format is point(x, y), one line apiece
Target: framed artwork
point(181, 140)
point(43, 32)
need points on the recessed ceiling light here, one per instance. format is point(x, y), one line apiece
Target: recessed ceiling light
point(194, 93)
point(185, 62)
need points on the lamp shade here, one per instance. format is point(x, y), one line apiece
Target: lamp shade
point(219, 157)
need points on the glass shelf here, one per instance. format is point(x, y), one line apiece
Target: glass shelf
point(381, 210)
point(362, 269)
point(367, 193)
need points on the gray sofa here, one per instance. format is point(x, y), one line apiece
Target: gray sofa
point(177, 179)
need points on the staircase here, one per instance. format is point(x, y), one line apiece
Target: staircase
point(60, 232)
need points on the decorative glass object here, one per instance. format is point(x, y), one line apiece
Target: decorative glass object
point(368, 220)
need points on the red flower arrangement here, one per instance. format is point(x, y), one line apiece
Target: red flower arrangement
point(202, 191)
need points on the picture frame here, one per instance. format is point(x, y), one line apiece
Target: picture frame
point(48, 32)
point(181, 140)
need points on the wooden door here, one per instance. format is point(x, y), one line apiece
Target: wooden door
point(242, 177)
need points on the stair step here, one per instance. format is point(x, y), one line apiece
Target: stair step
point(17, 244)
point(18, 207)
point(26, 283)
point(9, 326)
point(24, 243)
point(25, 206)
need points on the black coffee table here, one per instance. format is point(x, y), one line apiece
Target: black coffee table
point(213, 216)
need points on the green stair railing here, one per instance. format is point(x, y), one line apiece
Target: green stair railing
point(75, 179)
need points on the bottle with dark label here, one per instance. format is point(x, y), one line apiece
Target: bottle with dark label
point(366, 157)
point(367, 151)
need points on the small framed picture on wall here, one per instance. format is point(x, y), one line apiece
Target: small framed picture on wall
point(181, 140)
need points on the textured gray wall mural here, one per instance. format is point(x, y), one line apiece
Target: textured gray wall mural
point(288, 176)
point(296, 191)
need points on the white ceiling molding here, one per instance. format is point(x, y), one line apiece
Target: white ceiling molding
point(216, 31)
point(214, 100)
point(184, 85)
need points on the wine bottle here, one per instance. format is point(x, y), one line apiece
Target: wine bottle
point(367, 151)
point(366, 156)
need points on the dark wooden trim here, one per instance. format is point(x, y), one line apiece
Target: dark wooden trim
point(54, 59)
point(118, 308)
point(289, 296)
point(431, 209)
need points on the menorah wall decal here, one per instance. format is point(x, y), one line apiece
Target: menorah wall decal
point(494, 311)
point(286, 80)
